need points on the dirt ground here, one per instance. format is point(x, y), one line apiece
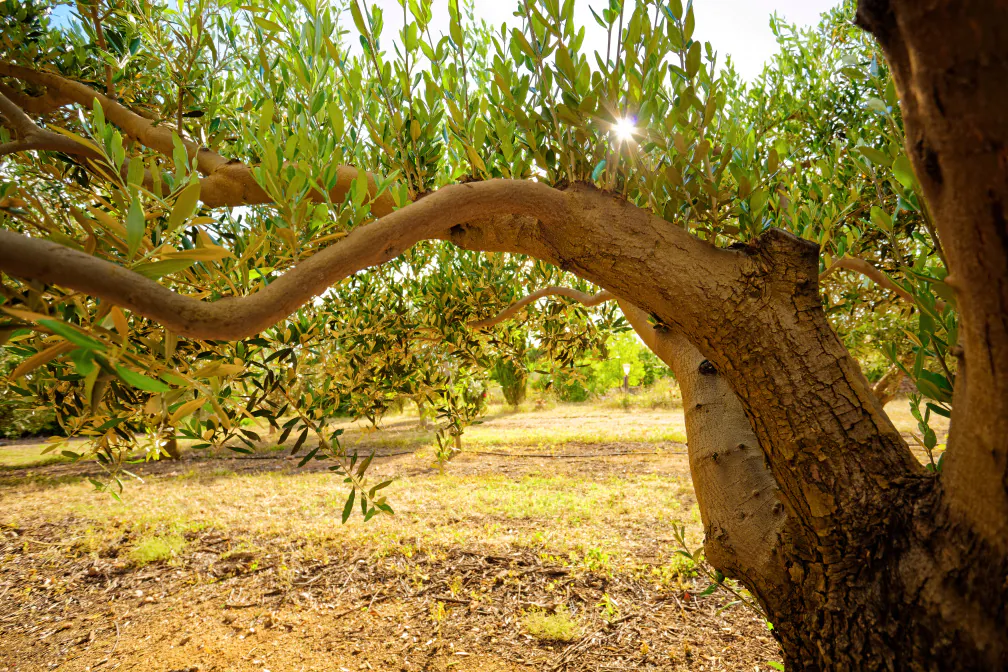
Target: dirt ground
point(218, 562)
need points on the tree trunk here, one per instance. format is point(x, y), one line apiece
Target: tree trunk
point(887, 387)
point(902, 605)
point(171, 449)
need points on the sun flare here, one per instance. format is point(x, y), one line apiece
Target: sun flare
point(624, 129)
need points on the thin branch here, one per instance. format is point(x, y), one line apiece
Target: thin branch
point(866, 269)
point(587, 300)
point(226, 183)
point(100, 40)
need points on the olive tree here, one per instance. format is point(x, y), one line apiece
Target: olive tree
point(140, 133)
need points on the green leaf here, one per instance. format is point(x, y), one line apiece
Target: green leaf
point(880, 218)
point(348, 507)
point(939, 410)
point(875, 156)
point(904, 171)
point(136, 226)
point(693, 59)
point(155, 269)
point(597, 173)
point(300, 442)
point(564, 62)
point(775, 665)
point(358, 18)
point(98, 115)
point(83, 360)
point(311, 453)
point(72, 335)
point(877, 105)
point(135, 173)
point(185, 206)
point(523, 43)
point(140, 381)
point(265, 117)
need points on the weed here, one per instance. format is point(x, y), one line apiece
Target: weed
point(555, 627)
point(610, 610)
point(597, 560)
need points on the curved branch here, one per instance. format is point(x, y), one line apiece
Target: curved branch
point(235, 318)
point(868, 270)
point(587, 300)
point(226, 183)
point(157, 138)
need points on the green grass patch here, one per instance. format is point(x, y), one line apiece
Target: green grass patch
point(556, 627)
point(156, 549)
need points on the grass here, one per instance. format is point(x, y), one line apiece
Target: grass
point(156, 549)
point(556, 627)
point(664, 394)
point(580, 511)
point(20, 455)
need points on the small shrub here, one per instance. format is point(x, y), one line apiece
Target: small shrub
point(556, 627)
point(156, 549)
point(597, 560)
point(512, 378)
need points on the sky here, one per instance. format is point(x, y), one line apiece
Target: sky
point(737, 27)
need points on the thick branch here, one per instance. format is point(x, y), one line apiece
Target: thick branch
point(37, 105)
point(231, 319)
point(33, 137)
point(739, 502)
point(587, 300)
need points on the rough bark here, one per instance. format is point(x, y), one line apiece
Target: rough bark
point(948, 62)
point(744, 520)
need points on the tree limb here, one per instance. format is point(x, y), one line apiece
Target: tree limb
point(587, 300)
point(868, 270)
point(37, 105)
point(33, 137)
point(739, 500)
point(100, 40)
point(237, 318)
point(226, 183)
